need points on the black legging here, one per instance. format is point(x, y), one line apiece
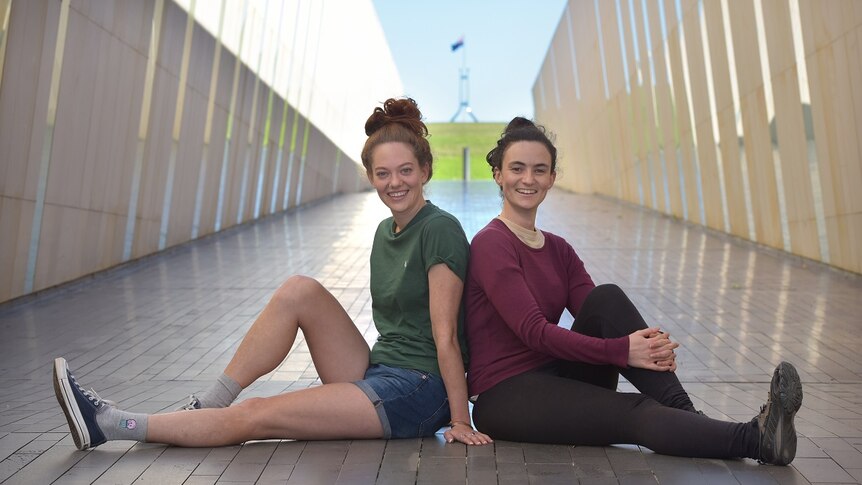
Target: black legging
point(577, 404)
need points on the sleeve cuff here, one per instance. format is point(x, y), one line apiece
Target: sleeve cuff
point(618, 351)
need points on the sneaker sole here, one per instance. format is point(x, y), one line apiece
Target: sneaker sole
point(790, 388)
point(66, 398)
point(790, 399)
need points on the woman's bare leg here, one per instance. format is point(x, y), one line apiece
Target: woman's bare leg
point(336, 409)
point(331, 411)
point(338, 350)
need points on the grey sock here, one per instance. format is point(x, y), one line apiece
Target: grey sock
point(122, 425)
point(221, 394)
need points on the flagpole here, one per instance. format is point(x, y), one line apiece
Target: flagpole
point(465, 78)
point(464, 56)
point(463, 84)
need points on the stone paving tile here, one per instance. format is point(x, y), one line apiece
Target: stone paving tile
point(817, 470)
point(152, 332)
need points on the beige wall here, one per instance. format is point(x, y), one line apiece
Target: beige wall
point(116, 141)
point(744, 116)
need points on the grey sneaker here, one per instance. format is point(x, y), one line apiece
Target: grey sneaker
point(193, 404)
point(775, 421)
point(79, 406)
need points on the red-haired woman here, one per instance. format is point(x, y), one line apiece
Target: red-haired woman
point(408, 385)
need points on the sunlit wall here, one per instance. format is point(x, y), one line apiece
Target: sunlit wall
point(127, 127)
point(743, 116)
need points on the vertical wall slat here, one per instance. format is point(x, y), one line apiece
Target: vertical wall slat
point(742, 116)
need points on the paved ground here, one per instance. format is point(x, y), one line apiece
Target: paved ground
point(149, 334)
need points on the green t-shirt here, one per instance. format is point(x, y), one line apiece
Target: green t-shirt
point(399, 286)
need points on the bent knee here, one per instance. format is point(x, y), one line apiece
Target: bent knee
point(608, 289)
point(608, 293)
point(297, 288)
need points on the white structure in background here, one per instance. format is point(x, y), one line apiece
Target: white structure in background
point(335, 63)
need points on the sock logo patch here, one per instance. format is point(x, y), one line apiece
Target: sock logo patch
point(128, 423)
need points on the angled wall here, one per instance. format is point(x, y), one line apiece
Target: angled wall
point(129, 127)
point(741, 116)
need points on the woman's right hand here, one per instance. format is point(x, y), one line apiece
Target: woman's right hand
point(652, 349)
point(464, 432)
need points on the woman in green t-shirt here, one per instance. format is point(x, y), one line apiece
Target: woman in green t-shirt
point(409, 385)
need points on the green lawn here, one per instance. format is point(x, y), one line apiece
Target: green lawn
point(448, 141)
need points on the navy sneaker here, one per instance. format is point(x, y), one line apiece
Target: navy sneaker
point(775, 421)
point(79, 406)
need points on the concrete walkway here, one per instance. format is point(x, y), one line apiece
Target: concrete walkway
point(148, 334)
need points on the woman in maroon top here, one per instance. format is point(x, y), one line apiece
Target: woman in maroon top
point(534, 381)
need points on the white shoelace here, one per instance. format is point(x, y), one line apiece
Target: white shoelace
point(92, 395)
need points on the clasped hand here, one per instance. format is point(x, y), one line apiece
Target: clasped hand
point(652, 349)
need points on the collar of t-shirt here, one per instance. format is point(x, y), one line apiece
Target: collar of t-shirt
point(425, 210)
point(534, 239)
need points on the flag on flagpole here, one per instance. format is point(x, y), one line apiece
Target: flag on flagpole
point(458, 44)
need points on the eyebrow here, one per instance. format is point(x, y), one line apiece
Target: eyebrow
point(396, 168)
point(518, 162)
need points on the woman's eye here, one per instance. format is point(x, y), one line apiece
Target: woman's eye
point(380, 175)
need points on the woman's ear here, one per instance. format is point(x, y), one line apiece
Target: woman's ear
point(497, 175)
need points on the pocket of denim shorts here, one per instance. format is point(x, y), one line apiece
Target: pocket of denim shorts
point(422, 374)
point(434, 392)
point(439, 418)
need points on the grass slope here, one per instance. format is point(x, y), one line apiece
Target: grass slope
point(448, 141)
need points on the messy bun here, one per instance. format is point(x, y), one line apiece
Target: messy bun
point(399, 120)
point(519, 122)
point(403, 111)
point(520, 129)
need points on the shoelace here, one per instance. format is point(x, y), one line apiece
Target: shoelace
point(91, 394)
point(100, 398)
point(764, 406)
point(760, 418)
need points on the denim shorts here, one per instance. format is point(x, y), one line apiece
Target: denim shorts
point(410, 403)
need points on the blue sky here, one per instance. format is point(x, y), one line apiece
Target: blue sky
point(505, 43)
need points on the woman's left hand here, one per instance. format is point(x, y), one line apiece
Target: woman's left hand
point(466, 434)
point(663, 350)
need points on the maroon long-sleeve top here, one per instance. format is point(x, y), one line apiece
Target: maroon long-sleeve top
point(515, 296)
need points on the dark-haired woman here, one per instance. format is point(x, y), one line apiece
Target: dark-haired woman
point(408, 385)
point(532, 380)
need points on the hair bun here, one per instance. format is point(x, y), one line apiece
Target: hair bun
point(519, 122)
point(375, 121)
point(403, 111)
point(520, 129)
